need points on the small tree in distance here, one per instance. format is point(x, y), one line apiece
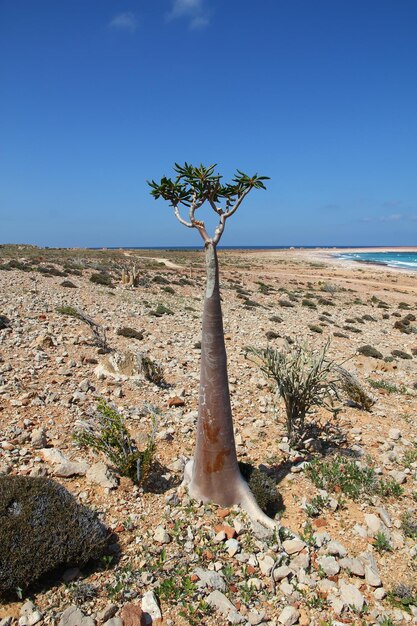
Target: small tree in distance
point(213, 475)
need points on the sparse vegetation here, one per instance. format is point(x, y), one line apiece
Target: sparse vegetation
point(340, 474)
point(107, 433)
point(370, 351)
point(304, 379)
point(102, 279)
point(130, 333)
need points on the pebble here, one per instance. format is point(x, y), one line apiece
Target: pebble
point(289, 616)
point(281, 572)
point(292, 546)
point(214, 580)
point(72, 616)
point(329, 565)
point(101, 474)
point(351, 596)
point(161, 536)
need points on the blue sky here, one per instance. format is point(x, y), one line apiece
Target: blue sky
point(97, 96)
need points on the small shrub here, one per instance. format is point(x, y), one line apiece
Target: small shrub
point(161, 310)
point(160, 280)
point(337, 333)
point(271, 334)
point(368, 318)
point(316, 329)
point(250, 304)
point(4, 322)
point(340, 474)
point(409, 524)
point(382, 384)
point(381, 543)
point(43, 528)
point(151, 370)
point(107, 433)
point(402, 596)
point(308, 303)
point(286, 303)
point(354, 390)
point(304, 379)
point(370, 351)
point(69, 284)
point(401, 354)
point(352, 329)
point(98, 331)
point(325, 302)
point(130, 333)
point(276, 319)
point(263, 487)
point(403, 306)
point(169, 290)
point(102, 279)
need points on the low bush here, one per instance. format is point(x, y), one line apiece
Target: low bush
point(107, 433)
point(43, 528)
point(130, 333)
point(102, 279)
point(370, 351)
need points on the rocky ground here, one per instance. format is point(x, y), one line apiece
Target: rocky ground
point(348, 498)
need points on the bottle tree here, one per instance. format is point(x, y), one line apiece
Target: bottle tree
point(213, 475)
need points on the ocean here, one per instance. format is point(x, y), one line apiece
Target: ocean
point(402, 260)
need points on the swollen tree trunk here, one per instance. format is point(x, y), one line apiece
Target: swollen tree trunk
point(214, 473)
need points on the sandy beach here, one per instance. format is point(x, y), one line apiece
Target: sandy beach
point(51, 375)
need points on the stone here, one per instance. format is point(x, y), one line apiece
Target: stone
point(102, 475)
point(176, 401)
point(380, 593)
point(372, 576)
point(71, 468)
point(266, 564)
point(232, 546)
point(373, 523)
point(161, 536)
point(351, 596)
point(329, 565)
point(132, 615)
point(353, 565)
point(53, 455)
point(384, 515)
point(117, 621)
point(150, 607)
point(254, 617)
point(399, 477)
point(107, 613)
point(72, 616)
point(210, 579)
point(394, 434)
point(289, 616)
point(281, 572)
point(29, 614)
point(292, 546)
point(218, 600)
point(336, 549)
point(38, 438)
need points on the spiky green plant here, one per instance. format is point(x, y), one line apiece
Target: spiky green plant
point(304, 378)
point(107, 433)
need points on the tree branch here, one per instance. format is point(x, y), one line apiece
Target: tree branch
point(237, 203)
point(180, 219)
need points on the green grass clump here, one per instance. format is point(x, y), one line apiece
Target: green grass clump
point(161, 310)
point(340, 474)
point(308, 303)
point(70, 311)
point(382, 384)
point(381, 543)
point(108, 434)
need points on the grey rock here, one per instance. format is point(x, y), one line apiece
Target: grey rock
point(281, 572)
point(336, 549)
point(399, 477)
point(289, 616)
point(39, 438)
point(384, 515)
point(6, 621)
point(71, 468)
point(214, 580)
point(351, 596)
point(380, 593)
point(161, 536)
point(232, 546)
point(150, 607)
point(394, 434)
point(101, 474)
point(372, 575)
point(72, 616)
point(254, 618)
point(293, 546)
point(373, 523)
point(329, 565)
point(107, 613)
point(353, 565)
point(266, 564)
point(218, 600)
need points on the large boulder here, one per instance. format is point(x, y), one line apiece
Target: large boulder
point(43, 527)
